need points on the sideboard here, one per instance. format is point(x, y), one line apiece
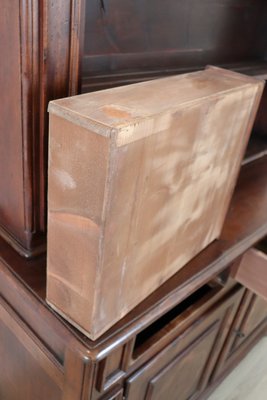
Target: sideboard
point(190, 333)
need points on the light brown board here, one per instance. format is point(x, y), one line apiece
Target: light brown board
point(140, 179)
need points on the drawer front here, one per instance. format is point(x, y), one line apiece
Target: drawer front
point(252, 272)
point(183, 368)
point(249, 325)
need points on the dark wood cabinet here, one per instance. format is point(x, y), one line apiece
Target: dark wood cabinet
point(255, 316)
point(62, 48)
point(38, 63)
point(182, 368)
point(250, 323)
point(197, 326)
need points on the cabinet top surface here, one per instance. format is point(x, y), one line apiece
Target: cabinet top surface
point(106, 112)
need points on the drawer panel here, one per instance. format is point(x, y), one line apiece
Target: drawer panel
point(252, 272)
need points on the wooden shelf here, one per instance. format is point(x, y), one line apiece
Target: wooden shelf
point(257, 148)
point(245, 225)
point(91, 82)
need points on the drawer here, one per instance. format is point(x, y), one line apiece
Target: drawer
point(251, 272)
point(182, 369)
point(161, 332)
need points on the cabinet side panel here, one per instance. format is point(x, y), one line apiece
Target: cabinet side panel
point(11, 163)
point(26, 365)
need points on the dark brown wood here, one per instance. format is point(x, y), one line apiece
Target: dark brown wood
point(39, 63)
point(25, 291)
point(252, 271)
point(249, 322)
point(180, 369)
point(27, 362)
point(41, 58)
point(245, 225)
point(128, 41)
point(259, 334)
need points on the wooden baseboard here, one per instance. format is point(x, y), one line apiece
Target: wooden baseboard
point(36, 250)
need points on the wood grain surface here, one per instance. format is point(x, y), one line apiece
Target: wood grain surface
point(140, 179)
point(252, 272)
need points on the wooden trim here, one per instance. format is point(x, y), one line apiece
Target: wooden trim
point(27, 253)
point(252, 272)
point(76, 45)
point(76, 368)
point(50, 62)
point(29, 90)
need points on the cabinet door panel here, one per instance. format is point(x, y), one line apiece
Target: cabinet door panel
point(248, 326)
point(256, 314)
point(27, 370)
point(183, 368)
point(187, 366)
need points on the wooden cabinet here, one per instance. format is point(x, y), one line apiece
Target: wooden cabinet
point(47, 48)
point(38, 63)
point(183, 368)
point(62, 48)
point(249, 324)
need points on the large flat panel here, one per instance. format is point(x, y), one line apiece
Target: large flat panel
point(127, 36)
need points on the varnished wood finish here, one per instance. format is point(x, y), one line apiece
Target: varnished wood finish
point(180, 370)
point(128, 41)
point(252, 272)
point(245, 225)
point(29, 361)
point(46, 38)
point(25, 292)
point(39, 63)
point(139, 183)
point(249, 323)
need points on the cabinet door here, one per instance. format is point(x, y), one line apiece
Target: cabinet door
point(27, 369)
point(249, 325)
point(183, 368)
point(255, 315)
